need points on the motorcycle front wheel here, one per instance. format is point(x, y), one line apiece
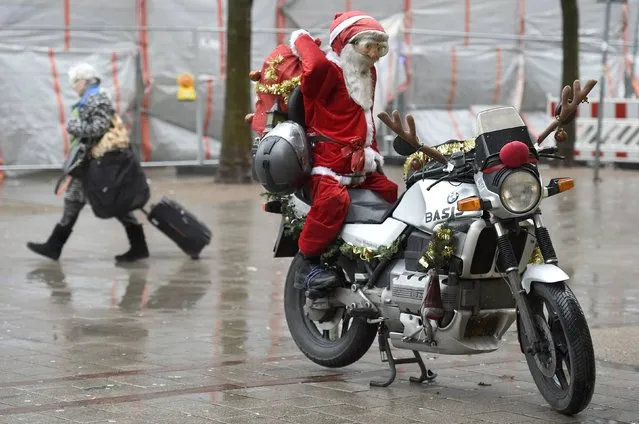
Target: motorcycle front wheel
point(564, 371)
point(338, 341)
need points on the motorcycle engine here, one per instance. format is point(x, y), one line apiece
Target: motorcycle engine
point(407, 291)
point(405, 294)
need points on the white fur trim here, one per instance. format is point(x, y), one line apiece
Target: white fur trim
point(334, 57)
point(322, 170)
point(345, 24)
point(371, 159)
point(294, 36)
point(370, 127)
point(342, 179)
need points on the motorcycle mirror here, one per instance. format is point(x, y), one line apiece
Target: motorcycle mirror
point(402, 147)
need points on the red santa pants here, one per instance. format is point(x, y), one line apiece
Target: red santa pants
point(330, 208)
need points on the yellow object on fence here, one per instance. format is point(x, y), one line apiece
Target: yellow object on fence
point(186, 87)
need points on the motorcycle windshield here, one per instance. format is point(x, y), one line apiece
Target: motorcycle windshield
point(494, 120)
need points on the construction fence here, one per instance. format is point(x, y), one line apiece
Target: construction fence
point(448, 61)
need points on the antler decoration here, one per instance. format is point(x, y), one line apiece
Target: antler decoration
point(410, 137)
point(568, 107)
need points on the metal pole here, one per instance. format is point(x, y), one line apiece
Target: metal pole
point(137, 106)
point(396, 69)
point(199, 130)
point(634, 50)
point(602, 90)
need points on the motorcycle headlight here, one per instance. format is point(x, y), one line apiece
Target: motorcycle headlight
point(520, 191)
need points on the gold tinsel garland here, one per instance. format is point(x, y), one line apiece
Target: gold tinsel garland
point(437, 254)
point(295, 224)
point(537, 257)
point(270, 73)
point(284, 88)
point(446, 149)
point(368, 254)
point(408, 164)
point(440, 248)
point(451, 147)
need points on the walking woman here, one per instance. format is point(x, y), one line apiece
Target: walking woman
point(90, 120)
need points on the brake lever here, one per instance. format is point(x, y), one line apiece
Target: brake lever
point(548, 151)
point(438, 181)
point(552, 156)
point(451, 174)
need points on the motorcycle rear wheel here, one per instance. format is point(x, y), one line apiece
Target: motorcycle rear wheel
point(355, 334)
point(565, 372)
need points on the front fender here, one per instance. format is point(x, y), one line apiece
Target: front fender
point(543, 273)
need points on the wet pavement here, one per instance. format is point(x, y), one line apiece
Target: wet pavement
point(172, 340)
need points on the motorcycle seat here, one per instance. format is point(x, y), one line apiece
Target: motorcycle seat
point(367, 207)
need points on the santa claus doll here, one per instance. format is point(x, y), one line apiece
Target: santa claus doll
point(338, 89)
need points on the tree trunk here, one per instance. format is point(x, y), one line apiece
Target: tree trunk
point(235, 158)
point(570, 13)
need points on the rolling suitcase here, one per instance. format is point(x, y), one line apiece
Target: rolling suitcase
point(181, 226)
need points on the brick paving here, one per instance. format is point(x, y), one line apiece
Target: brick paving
point(172, 340)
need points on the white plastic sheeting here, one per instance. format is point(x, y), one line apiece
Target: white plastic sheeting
point(30, 119)
point(456, 56)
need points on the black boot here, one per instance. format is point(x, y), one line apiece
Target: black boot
point(139, 249)
point(316, 279)
point(53, 247)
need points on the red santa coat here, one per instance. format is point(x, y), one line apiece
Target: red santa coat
point(333, 115)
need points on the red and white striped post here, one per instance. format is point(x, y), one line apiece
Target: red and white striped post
point(619, 131)
point(602, 87)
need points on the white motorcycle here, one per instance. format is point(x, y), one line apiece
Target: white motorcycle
point(446, 269)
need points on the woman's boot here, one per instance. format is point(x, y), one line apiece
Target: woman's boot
point(53, 246)
point(139, 249)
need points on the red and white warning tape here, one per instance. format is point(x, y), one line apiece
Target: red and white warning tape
point(619, 130)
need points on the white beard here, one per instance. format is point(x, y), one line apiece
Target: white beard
point(357, 75)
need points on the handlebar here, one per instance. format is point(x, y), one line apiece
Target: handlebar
point(458, 168)
point(550, 153)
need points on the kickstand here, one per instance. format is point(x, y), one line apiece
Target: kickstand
point(387, 356)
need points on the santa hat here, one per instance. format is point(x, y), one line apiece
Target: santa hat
point(349, 25)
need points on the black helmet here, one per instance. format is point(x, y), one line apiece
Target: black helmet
point(283, 158)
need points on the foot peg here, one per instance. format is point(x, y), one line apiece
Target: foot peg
point(320, 304)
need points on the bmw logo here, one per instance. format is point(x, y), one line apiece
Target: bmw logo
point(452, 197)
